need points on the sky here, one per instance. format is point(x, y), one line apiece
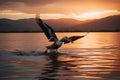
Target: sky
point(54, 9)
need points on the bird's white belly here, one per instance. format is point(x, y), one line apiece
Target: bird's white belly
point(59, 43)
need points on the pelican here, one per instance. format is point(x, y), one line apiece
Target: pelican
point(51, 36)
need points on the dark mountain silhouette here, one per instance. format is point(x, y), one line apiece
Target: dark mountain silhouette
point(62, 24)
point(111, 23)
point(31, 25)
point(18, 25)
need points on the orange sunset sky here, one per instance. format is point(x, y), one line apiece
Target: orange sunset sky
point(54, 9)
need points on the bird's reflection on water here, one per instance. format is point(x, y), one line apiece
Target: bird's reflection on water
point(55, 66)
point(51, 68)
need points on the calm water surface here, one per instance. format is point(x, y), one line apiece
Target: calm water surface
point(94, 57)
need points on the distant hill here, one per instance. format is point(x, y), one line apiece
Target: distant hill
point(62, 24)
point(25, 25)
point(18, 25)
point(111, 23)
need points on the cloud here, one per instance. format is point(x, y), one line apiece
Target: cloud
point(26, 2)
point(58, 6)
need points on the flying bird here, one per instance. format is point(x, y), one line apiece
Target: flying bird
point(51, 36)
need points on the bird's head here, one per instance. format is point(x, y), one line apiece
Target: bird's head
point(66, 40)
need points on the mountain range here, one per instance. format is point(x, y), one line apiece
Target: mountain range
point(111, 23)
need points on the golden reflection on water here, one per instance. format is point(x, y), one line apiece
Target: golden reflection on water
point(99, 55)
point(92, 66)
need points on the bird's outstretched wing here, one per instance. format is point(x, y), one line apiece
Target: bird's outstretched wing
point(73, 38)
point(49, 32)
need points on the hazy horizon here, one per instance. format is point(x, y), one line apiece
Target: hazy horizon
point(61, 18)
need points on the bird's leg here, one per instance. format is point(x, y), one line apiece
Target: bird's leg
point(46, 51)
point(56, 50)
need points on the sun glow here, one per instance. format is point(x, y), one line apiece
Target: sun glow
point(80, 16)
point(10, 14)
point(97, 14)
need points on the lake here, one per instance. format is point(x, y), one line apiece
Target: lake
point(94, 57)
